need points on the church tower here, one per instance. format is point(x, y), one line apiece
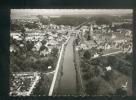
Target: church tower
point(91, 30)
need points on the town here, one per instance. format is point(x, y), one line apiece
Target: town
point(71, 55)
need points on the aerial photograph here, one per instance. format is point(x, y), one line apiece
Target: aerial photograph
point(71, 52)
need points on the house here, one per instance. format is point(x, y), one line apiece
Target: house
point(96, 55)
point(124, 86)
point(50, 38)
point(21, 45)
point(53, 42)
point(17, 37)
point(44, 52)
point(49, 67)
point(107, 46)
point(108, 68)
point(12, 49)
point(83, 46)
point(113, 36)
point(38, 45)
point(128, 33)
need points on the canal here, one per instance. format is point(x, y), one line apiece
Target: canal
point(67, 84)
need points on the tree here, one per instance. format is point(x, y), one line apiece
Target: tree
point(87, 54)
point(42, 48)
point(86, 76)
point(95, 61)
point(15, 26)
point(76, 41)
point(83, 64)
point(92, 87)
point(109, 75)
point(54, 51)
point(120, 92)
point(126, 26)
point(12, 40)
point(103, 20)
point(23, 36)
point(111, 60)
point(50, 62)
point(29, 45)
point(88, 37)
point(12, 78)
point(42, 87)
point(15, 63)
point(69, 20)
point(96, 71)
point(85, 69)
point(43, 20)
point(43, 42)
point(32, 25)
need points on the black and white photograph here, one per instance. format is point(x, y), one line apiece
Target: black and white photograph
point(71, 52)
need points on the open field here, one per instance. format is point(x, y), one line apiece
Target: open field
point(96, 78)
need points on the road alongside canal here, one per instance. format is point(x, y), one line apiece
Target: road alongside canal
point(67, 84)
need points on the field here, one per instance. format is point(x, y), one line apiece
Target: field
point(42, 88)
point(99, 81)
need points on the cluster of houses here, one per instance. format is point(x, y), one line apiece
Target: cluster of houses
point(103, 37)
point(54, 35)
point(23, 83)
point(46, 37)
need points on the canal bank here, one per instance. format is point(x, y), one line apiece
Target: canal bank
point(80, 88)
point(68, 81)
point(56, 78)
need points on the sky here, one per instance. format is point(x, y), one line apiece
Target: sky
point(59, 12)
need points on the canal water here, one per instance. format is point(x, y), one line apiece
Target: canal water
point(67, 85)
